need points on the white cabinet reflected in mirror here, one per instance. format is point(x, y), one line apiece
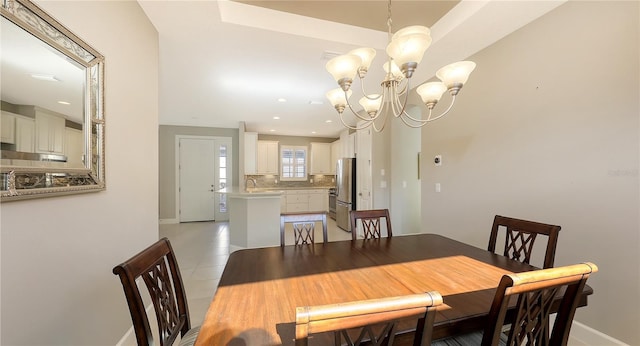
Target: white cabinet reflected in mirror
point(51, 97)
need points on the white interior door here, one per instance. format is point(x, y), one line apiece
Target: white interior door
point(197, 179)
point(363, 162)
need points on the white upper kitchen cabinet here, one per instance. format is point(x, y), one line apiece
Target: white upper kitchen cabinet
point(25, 135)
point(336, 154)
point(49, 133)
point(320, 158)
point(267, 158)
point(8, 128)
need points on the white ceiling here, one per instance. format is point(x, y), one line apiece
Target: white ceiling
point(224, 62)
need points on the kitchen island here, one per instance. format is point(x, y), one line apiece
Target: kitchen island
point(254, 217)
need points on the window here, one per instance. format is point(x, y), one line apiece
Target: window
point(222, 177)
point(293, 162)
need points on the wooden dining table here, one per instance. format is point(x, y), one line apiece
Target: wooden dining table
point(259, 290)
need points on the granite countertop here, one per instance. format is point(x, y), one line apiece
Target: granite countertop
point(264, 191)
point(291, 188)
point(236, 191)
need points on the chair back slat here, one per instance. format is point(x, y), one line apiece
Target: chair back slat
point(367, 314)
point(371, 223)
point(158, 268)
point(536, 292)
point(520, 236)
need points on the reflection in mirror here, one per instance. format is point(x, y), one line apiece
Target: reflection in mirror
point(51, 98)
point(43, 87)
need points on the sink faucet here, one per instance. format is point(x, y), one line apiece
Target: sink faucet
point(250, 180)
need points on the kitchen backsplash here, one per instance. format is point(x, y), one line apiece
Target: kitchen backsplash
point(269, 181)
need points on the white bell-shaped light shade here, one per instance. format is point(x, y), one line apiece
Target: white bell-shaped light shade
point(414, 29)
point(371, 104)
point(395, 70)
point(408, 48)
point(431, 92)
point(366, 54)
point(344, 66)
point(337, 97)
point(456, 73)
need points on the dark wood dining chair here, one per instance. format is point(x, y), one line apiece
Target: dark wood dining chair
point(520, 236)
point(534, 292)
point(304, 224)
point(371, 223)
point(374, 321)
point(158, 268)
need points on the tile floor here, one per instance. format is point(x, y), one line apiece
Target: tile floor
point(202, 249)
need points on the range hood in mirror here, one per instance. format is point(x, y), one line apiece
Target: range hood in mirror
point(21, 155)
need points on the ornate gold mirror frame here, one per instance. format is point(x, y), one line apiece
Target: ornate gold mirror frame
point(36, 173)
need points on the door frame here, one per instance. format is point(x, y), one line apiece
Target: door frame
point(177, 165)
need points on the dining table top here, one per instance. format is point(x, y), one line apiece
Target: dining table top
point(259, 290)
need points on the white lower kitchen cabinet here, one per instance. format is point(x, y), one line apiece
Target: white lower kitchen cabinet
point(318, 200)
point(295, 201)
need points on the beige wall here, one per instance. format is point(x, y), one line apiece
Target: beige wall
point(547, 129)
point(167, 161)
point(58, 253)
point(404, 182)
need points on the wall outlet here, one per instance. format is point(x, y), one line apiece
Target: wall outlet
point(311, 181)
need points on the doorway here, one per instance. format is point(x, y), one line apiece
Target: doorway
point(203, 166)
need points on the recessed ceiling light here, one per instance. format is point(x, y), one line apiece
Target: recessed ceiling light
point(313, 132)
point(282, 100)
point(272, 130)
point(328, 121)
point(276, 118)
point(312, 102)
point(64, 103)
point(45, 77)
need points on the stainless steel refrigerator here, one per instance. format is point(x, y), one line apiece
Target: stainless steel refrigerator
point(345, 192)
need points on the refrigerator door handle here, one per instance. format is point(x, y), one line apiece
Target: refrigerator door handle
point(344, 204)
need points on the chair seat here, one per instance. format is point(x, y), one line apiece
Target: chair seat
point(470, 339)
point(190, 338)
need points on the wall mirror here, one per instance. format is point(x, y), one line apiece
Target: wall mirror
point(52, 102)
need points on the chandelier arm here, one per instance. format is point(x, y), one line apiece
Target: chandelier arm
point(383, 110)
point(453, 100)
point(405, 88)
point(429, 119)
point(367, 124)
point(398, 112)
point(420, 124)
point(365, 93)
point(375, 128)
point(360, 116)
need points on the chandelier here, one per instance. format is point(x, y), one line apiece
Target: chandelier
point(404, 52)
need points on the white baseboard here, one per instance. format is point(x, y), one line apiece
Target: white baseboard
point(585, 335)
point(168, 221)
point(129, 338)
